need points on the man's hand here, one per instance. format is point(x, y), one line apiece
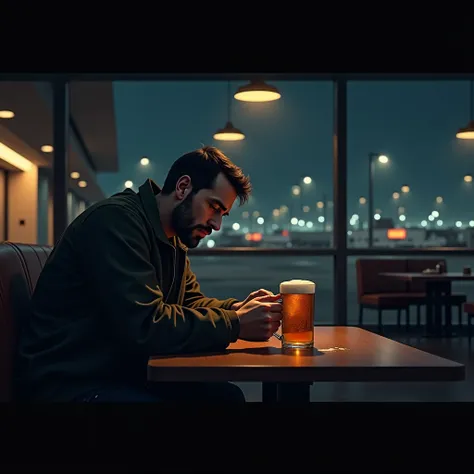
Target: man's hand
point(259, 318)
point(254, 294)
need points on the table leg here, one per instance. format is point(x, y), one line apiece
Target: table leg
point(430, 302)
point(435, 293)
point(269, 392)
point(438, 309)
point(448, 310)
point(294, 392)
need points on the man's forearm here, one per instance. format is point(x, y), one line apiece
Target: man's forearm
point(172, 328)
point(201, 301)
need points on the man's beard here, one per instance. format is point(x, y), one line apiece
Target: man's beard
point(182, 222)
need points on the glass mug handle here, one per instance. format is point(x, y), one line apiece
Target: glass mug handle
point(278, 336)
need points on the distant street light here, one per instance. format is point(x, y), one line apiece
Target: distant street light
point(295, 191)
point(468, 178)
point(128, 184)
point(372, 158)
point(144, 161)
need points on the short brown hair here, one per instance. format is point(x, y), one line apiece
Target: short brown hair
point(203, 166)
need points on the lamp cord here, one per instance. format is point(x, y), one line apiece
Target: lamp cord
point(228, 101)
point(471, 97)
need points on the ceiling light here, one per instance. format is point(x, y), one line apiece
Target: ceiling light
point(82, 184)
point(144, 161)
point(467, 133)
point(229, 133)
point(6, 114)
point(128, 184)
point(257, 91)
point(47, 149)
point(75, 175)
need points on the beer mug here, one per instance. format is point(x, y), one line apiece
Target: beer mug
point(298, 313)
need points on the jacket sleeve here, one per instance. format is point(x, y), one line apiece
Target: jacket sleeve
point(116, 259)
point(195, 299)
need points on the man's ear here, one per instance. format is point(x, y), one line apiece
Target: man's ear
point(183, 187)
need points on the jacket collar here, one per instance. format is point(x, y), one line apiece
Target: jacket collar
point(147, 192)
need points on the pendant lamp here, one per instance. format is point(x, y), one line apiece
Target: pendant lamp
point(229, 132)
point(257, 91)
point(467, 133)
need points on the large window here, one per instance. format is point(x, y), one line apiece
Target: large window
point(287, 152)
point(405, 167)
point(421, 174)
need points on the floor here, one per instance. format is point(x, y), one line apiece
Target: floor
point(456, 348)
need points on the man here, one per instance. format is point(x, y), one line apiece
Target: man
point(118, 288)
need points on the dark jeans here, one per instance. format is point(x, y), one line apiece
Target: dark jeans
point(167, 392)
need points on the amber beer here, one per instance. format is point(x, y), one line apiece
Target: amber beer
point(298, 313)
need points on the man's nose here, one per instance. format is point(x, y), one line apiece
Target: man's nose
point(215, 224)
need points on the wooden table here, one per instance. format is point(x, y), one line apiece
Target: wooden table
point(438, 291)
point(340, 354)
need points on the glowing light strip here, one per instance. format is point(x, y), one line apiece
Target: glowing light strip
point(14, 158)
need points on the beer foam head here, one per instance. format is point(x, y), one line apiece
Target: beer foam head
point(298, 286)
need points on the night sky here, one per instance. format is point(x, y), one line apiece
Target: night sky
point(413, 123)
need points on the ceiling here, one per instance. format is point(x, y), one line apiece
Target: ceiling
point(91, 110)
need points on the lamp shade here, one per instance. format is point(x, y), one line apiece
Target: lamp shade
point(466, 133)
point(229, 133)
point(257, 91)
